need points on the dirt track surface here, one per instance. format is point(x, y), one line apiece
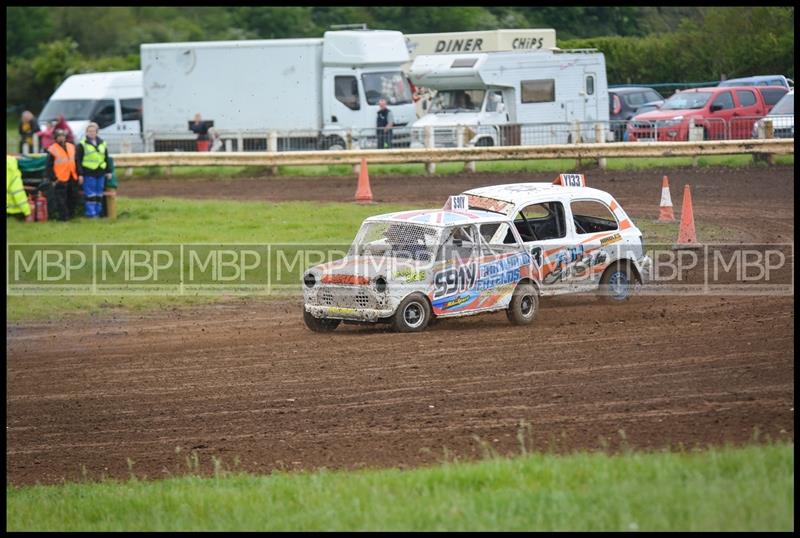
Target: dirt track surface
point(247, 381)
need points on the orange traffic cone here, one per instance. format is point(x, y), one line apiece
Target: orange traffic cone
point(363, 192)
point(687, 238)
point(665, 214)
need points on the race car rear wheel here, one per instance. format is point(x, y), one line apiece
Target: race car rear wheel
point(413, 314)
point(319, 325)
point(524, 305)
point(618, 283)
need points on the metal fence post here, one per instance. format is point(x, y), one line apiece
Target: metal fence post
point(272, 147)
point(461, 135)
point(36, 144)
point(600, 137)
point(430, 167)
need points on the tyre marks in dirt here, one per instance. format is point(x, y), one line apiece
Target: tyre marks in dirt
point(251, 383)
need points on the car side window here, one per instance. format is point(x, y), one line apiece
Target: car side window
point(104, 114)
point(635, 99)
point(591, 216)
point(539, 222)
point(724, 100)
point(772, 96)
point(746, 97)
point(496, 237)
point(346, 90)
point(460, 244)
point(653, 96)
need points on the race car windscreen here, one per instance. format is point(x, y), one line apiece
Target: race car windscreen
point(489, 204)
point(396, 239)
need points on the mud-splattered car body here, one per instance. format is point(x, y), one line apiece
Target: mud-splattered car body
point(428, 263)
point(581, 237)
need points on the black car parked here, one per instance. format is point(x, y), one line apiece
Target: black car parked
point(623, 102)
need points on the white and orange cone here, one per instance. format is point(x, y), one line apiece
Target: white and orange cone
point(665, 211)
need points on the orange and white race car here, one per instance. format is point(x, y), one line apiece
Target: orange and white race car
point(491, 248)
point(580, 237)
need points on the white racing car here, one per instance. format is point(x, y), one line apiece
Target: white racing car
point(488, 249)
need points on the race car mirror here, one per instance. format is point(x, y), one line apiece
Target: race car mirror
point(456, 203)
point(570, 180)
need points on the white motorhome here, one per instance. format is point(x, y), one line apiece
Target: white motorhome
point(493, 96)
point(314, 93)
point(113, 100)
point(533, 39)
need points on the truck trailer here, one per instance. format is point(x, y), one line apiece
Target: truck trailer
point(319, 93)
point(512, 97)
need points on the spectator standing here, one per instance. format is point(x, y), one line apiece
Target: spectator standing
point(64, 126)
point(28, 127)
point(200, 128)
point(16, 198)
point(47, 136)
point(61, 169)
point(93, 169)
point(384, 125)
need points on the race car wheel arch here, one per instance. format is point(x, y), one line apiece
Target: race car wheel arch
point(413, 313)
point(618, 281)
point(319, 325)
point(524, 303)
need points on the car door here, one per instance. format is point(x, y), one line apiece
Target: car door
point(544, 231)
point(597, 234)
point(748, 110)
point(721, 112)
point(456, 276)
point(131, 136)
point(105, 116)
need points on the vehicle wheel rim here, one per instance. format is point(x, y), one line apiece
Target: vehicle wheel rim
point(414, 315)
point(526, 306)
point(618, 285)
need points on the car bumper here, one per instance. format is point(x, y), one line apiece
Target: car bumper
point(346, 313)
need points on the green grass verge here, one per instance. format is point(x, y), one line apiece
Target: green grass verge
point(171, 220)
point(725, 489)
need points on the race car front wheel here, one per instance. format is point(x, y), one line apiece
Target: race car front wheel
point(319, 325)
point(524, 305)
point(413, 314)
point(618, 283)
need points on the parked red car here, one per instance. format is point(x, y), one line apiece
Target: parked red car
point(723, 113)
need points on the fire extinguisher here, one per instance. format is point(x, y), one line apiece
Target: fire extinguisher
point(30, 217)
point(41, 207)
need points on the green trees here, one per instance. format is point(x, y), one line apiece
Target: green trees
point(641, 44)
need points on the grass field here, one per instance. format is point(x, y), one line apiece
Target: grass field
point(170, 220)
point(725, 489)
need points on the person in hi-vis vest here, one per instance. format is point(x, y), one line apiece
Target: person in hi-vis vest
point(61, 170)
point(93, 169)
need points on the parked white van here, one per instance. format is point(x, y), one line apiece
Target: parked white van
point(113, 100)
point(496, 95)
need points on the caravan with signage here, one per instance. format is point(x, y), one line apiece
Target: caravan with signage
point(490, 96)
point(530, 39)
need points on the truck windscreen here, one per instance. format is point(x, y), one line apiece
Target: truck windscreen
point(391, 86)
point(458, 101)
point(72, 109)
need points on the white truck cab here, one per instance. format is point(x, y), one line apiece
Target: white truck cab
point(313, 93)
point(113, 100)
